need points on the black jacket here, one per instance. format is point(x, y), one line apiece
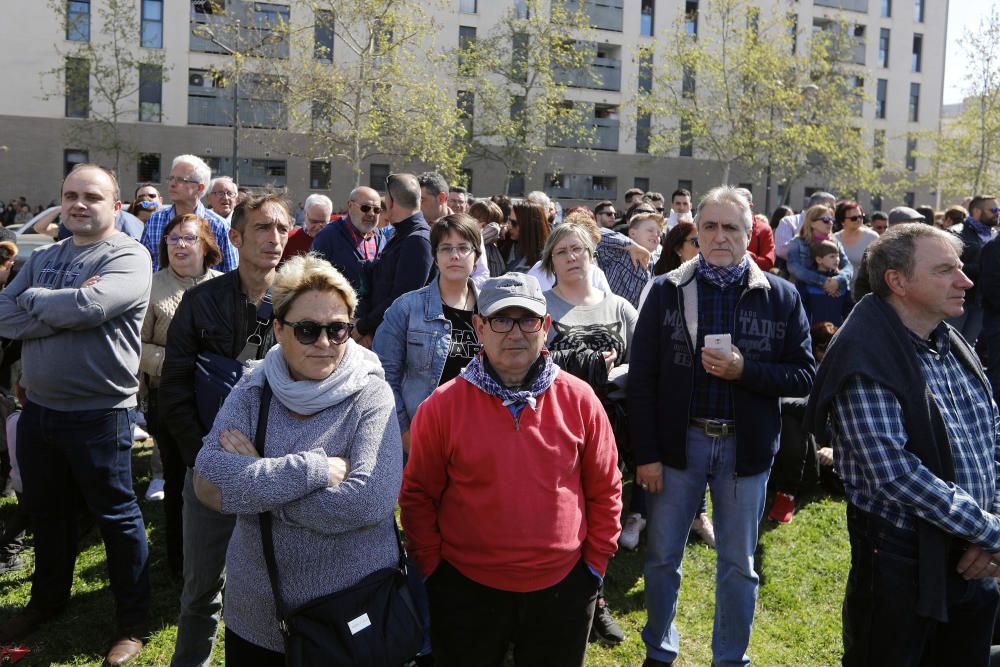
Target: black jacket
point(217, 317)
point(970, 257)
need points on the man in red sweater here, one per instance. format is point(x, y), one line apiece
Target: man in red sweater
point(511, 499)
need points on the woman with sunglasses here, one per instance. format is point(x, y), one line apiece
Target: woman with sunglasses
point(330, 470)
point(817, 225)
point(187, 249)
point(853, 236)
point(426, 337)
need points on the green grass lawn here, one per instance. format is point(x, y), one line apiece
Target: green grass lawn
point(803, 568)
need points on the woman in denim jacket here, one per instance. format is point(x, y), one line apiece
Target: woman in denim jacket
point(817, 225)
point(426, 336)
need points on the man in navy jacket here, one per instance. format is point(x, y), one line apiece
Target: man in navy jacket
point(354, 242)
point(718, 342)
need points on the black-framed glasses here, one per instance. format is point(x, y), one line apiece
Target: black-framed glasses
point(527, 324)
point(307, 332)
point(463, 250)
point(173, 239)
point(607, 211)
point(854, 218)
point(368, 208)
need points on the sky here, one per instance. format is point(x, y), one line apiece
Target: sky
point(961, 15)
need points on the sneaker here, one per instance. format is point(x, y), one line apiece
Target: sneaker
point(702, 527)
point(783, 508)
point(10, 564)
point(155, 490)
point(605, 628)
point(634, 524)
point(139, 434)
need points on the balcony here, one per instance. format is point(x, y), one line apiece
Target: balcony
point(602, 14)
point(605, 136)
point(603, 73)
point(580, 186)
point(206, 108)
point(849, 5)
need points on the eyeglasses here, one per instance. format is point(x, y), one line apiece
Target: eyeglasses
point(527, 324)
point(307, 332)
point(189, 239)
point(565, 253)
point(320, 221)
point(179, 179)
point(462, 250)
point(608, 211)
point(225, 193)
point(854, 218)
point(146, 203)
point(693, 241)
point(368, 208)
point(827, 219)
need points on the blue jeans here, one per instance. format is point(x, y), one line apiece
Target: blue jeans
point(86, 454)
point(206, 538)
point(737, 506)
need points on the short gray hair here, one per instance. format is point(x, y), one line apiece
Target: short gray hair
point(223, 179)
point(540, 198)
point(201, 170)
point(824, 198)
point(557, 235)
point(726, 195)
point(316, 199)
point(894, 251)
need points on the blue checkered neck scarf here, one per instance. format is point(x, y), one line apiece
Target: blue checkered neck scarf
point(540, 376)
point(723, 276)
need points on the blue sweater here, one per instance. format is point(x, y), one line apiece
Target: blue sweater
point(772, 333)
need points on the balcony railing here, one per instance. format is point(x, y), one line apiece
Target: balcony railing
point(850, 5)
point(208, 109)
point(605, 136)
point(582, 187)
point(602, 74)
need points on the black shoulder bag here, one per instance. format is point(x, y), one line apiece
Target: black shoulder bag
point(373, 623)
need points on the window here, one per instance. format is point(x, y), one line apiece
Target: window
point(466, 103)
point(73, 157)
point(881, 91)
point(519, 57)
point(857, 93)
point(272, 21)
point(914, 102)
point(467, 6)
point(152, 24)
point(918, 50)
point(377, 173)
point(150, 93)
point(793, 31)
point(319, 175)
point(883, 47)
point(466, 178)
point(515, 186)
point(78, 20)
point(215, 163)
point(642, 132)
point(878, 155)
point(641, 182)
point(323, 36)
point(266, 172)
point(645, 71)
point(77, 87)
point(148, 168)
point(918, 11)
point(688, 83)
point(911, 153)
point(691, 18)
point(521, 9)
point(685, 184)
point(876, 202)
point(646, 13)
point(886, 8)
point(909, 199)
point(686, 143)
point(466, 40)
point(209, 6)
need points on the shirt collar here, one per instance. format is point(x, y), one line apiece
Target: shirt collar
point(939, 342)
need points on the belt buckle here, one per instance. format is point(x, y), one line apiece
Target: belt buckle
point(715, 429)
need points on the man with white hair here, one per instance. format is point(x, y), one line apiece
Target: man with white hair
point(717, 343)
point(222, 197)
point(543, 200)
point(187, 184)
point(318, 210)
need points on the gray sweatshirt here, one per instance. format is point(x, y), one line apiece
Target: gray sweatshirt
point(326, 539)
point(81, 345)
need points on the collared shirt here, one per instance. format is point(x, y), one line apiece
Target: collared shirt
point(884, 478)
point(364, 243)
point(711, 397)
point(220, 228)
point(625, 278)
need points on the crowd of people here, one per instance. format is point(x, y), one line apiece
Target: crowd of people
point(512, 376)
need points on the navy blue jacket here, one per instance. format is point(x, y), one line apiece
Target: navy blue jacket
point(770, 329)
point(403, 265)
point(336, 244)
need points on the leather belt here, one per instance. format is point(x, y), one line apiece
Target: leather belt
point(714, 428)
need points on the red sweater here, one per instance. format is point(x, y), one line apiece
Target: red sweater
point(512, 504)
point(298, 244)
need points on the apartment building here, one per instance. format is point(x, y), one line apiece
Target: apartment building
point(899, 54)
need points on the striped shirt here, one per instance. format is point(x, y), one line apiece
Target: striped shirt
point(712, 397)
point(882, 477)
point(625, 278)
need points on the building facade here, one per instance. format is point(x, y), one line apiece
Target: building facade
point(899, 54)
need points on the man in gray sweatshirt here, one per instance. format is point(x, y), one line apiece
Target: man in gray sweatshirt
point(78, 307)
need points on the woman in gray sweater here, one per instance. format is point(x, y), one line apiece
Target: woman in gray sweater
point(332, 464)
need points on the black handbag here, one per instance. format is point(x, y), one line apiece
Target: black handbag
point(373, 623)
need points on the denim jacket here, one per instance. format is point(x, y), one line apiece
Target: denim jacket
point(804, 272)
point(412, 344)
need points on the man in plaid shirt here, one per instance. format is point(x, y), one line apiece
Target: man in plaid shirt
point(915, 441)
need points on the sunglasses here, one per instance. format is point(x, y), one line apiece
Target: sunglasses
point(995, 210)
point(854, 218)
point(368, 208)
point(826, 218)
point(307, 332)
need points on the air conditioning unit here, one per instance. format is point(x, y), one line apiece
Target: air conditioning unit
point(196, 79)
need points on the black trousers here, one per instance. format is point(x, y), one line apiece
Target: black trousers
point(173, 484)
point(881, 626)
point(473, 624)
point(240, 653)
point(795, 466)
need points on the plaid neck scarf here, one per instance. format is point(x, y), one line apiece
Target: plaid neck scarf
point(540, 376)
point(723, 276)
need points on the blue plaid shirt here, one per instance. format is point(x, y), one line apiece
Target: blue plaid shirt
point(220, 228)
point(711, 397)
point(625, 278)
point(882, 477)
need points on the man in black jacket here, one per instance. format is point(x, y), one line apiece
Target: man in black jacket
point(405, 263)
point(975, 232)
point(223, 316)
